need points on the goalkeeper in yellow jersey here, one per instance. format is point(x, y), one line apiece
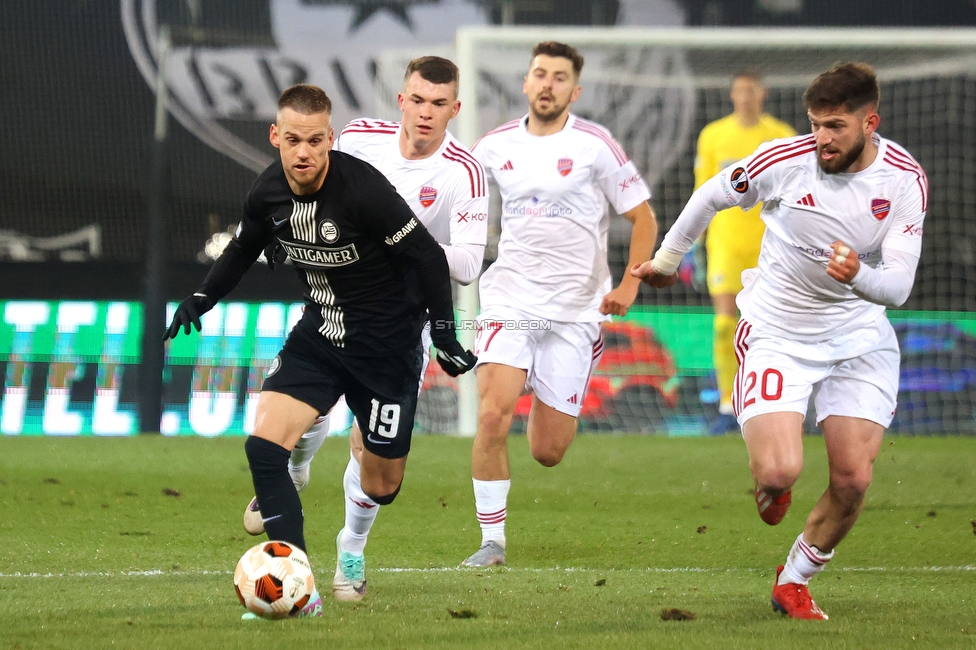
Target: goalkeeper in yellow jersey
point(733, 237)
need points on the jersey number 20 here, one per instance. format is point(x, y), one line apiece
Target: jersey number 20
point(767, 394)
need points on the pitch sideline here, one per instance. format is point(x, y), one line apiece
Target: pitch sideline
point(149, 573)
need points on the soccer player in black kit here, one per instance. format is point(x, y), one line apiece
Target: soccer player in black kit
point(372, 273)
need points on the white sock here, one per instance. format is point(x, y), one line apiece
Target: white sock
point(803, 562)
point(361, 511)
point(490, 499)
point(301, 456)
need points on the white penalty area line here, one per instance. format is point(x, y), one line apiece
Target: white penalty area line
point(149, 573)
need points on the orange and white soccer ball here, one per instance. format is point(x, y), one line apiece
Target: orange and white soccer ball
point(274, 580)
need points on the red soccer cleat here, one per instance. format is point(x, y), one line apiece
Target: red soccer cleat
point(773, 510)
point(794, 600)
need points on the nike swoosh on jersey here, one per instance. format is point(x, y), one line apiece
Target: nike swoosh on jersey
point(267, 519)
point(377, 442)
point(278, 223)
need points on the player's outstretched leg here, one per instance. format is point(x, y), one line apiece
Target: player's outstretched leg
point(298, 468)
point(773, 509)
point(280, 506)
point(490, 498)
point(790, 593)
point(349, 583)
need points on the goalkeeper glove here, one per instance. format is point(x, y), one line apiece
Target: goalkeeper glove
point(189, 311)
point(454, 359)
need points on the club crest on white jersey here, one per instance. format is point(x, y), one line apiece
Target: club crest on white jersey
point(552, 254)
point(427, 196)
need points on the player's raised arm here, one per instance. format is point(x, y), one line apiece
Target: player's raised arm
point(705, 202)
point(891, 283)
point(742, 184)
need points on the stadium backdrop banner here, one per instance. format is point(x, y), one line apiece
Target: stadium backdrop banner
point(70, 368)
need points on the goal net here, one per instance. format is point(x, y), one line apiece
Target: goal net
point(655, 89)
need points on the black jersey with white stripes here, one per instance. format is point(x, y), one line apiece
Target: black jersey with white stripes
point(370, 268)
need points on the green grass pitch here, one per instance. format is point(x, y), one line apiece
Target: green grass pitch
point(131, 543)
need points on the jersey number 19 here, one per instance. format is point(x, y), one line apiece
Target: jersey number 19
point(388, 416)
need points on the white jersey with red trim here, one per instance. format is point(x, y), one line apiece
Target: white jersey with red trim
point(552, 255)
point(447, 190)
point(805, 210)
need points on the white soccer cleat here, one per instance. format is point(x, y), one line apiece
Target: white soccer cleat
point(349, 583)
point(491, 553)
point(253, 523)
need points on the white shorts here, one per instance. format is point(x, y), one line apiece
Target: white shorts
point(855, 375)
point(558, 357)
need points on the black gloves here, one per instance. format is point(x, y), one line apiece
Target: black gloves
point(454, 359)
point(275, 255)
point(189, 311)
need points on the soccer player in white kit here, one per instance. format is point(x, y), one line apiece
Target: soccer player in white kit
point(544, 299)
point(446, 188)
point(843, 209)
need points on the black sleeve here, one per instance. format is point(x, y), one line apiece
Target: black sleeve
point(253, 234)
point(426, 255)
point(392, 220)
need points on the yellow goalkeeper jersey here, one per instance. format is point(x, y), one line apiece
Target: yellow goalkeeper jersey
point(720, 144)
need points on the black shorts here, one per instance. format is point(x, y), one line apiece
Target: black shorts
point(380, 391)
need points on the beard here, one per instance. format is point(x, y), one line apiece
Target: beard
point(843, 162)
point(550, 114)
point(308, 181)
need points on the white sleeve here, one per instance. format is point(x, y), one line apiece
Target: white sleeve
point(482, 154)
point(891, 284)
point(465, 261)
point(468, 225)
point(349, 138)
point(341, 143)
point(698, 212)
point(908, 217)
point(618, 177)
point(733, 186)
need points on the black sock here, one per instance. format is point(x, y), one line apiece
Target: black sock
point(278, 499)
